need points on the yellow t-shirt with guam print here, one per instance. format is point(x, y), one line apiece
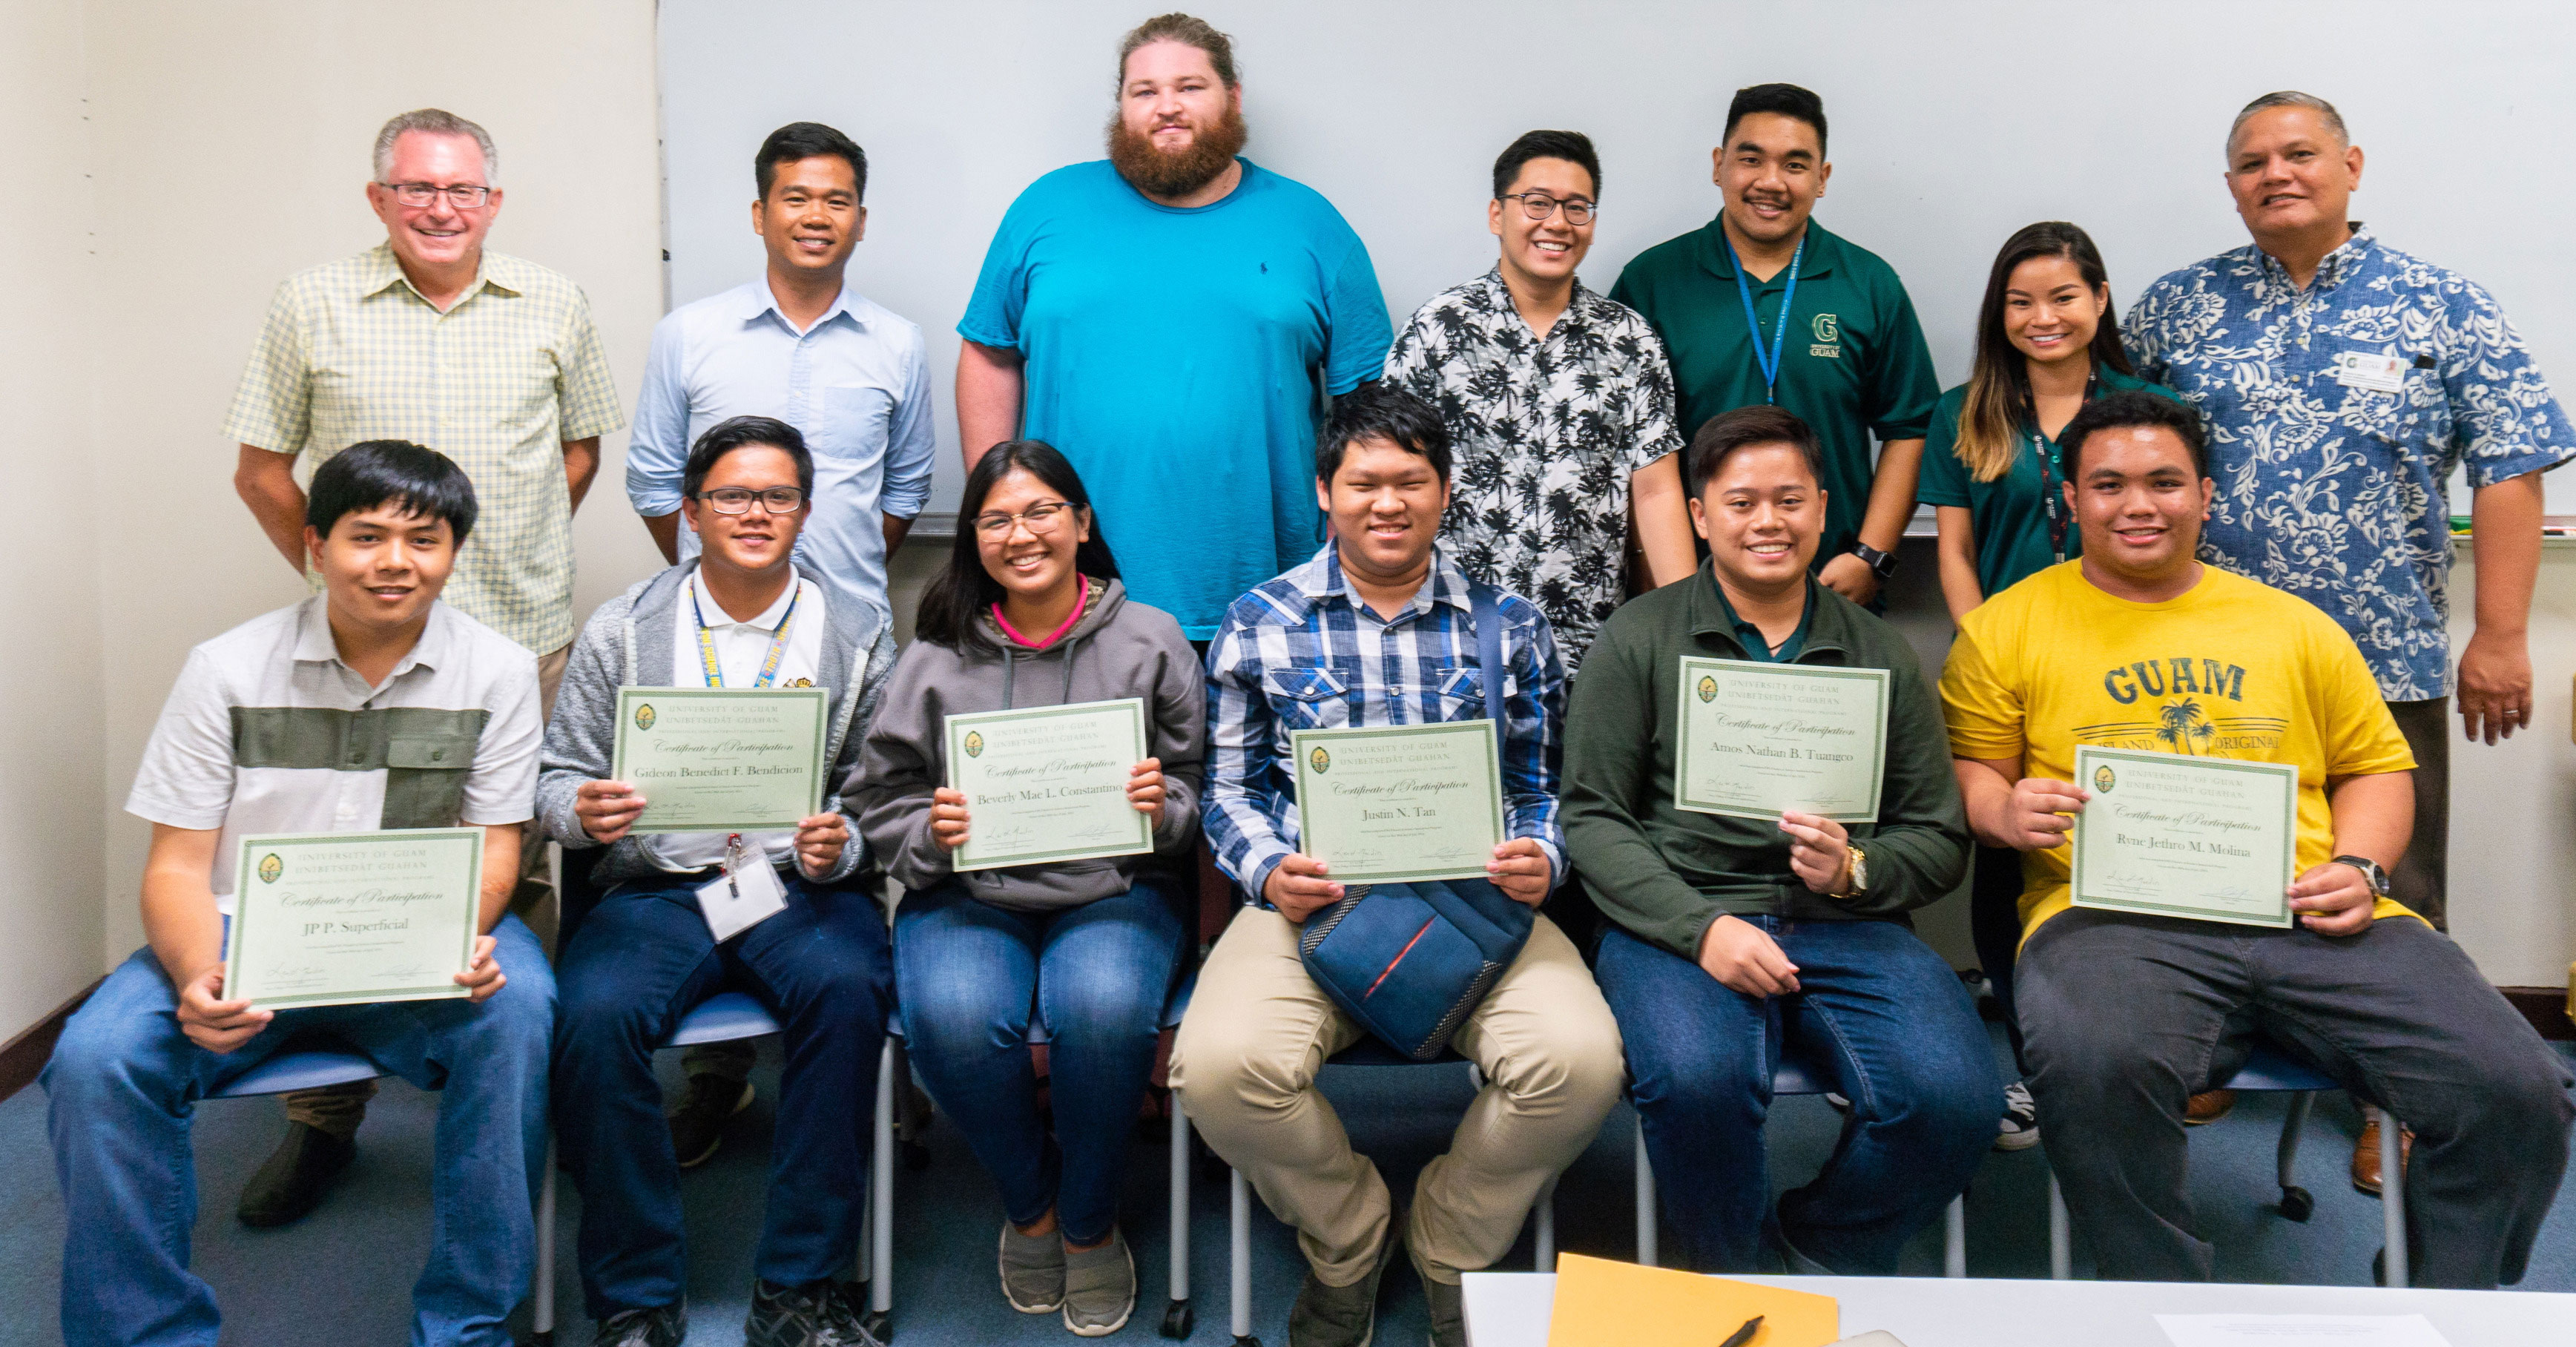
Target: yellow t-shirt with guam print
point(2232, 669)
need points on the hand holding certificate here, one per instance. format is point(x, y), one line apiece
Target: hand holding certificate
point(1048, 784)
point(350, 918)
point(2208, 838)
point(1758, 740)
point(1402, 802)
point(721, 759)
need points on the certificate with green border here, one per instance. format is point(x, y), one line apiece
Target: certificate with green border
point(721, 760)
point(2214, 839)
point(1755, 739)
point(1400, 802)
point(336, 919)
point(1049, 784)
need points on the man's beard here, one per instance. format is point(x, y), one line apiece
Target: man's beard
point(1176, 173)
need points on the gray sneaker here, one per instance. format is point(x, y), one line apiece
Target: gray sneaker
point(1032, 1270)
point(1448, 1312)
point(1099, 1287)
point(1343, 1316)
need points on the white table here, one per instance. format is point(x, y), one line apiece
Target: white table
point(1510, 1309)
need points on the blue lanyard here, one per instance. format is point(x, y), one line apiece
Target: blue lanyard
point(1768, 361)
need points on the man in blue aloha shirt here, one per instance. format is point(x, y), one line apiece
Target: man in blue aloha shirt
point(2343, 382)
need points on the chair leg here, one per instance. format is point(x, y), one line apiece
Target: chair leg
point(1546, 1234)
point(1177, 1318)
point(1645, 1201)
point(881, 1200)
point(2392, 1194)
point(2296, 1202)
point(2061, 1253)
point(1239, 1258)
point(1954, 1238)
point(541, 1310)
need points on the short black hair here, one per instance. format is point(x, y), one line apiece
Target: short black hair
point(1788, 100)
point(2132, 407)
point(413, 479)
point(742, 432)
point(1574, 147)
point(806, 140)
point(1381, 411)
point(1721, 435)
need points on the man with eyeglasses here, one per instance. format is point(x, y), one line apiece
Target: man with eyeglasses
point(683, 916)
point(490, 360)
point(1558, 402)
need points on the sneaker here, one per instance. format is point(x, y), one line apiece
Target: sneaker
point(295, 1178)
point(661, 1326)
point(1099, 1287)
point(1343, 1316)
point(1032, 1270)
point(2018, 1130)
point(2208, 1107)
point(816, 1315)
point(1448, 1312)
point(698, 1118)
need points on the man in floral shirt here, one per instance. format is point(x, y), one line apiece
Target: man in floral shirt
point(2343, 382)
point(1559, 404)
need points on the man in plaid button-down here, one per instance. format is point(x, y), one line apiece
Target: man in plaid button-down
point(489, 359)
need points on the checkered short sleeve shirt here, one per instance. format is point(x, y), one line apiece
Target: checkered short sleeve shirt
point(351, 352)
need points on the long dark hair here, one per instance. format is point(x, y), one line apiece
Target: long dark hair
point(1999, 384)
point(963, 590)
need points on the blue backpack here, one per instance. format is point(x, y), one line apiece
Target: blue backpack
point(1411, 961)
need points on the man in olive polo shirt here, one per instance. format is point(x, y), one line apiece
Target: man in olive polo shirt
point(1762, 305)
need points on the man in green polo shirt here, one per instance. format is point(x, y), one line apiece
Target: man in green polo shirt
point(1762, 305)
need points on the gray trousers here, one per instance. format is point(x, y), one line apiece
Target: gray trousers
point(2126, 1017)
point(2421, 879)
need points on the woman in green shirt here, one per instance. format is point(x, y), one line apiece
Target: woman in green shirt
point(2047, 342)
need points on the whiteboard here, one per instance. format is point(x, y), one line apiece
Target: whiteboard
point(1951, 126)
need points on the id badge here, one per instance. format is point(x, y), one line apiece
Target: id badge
point(2378, 373)
point(733, 904)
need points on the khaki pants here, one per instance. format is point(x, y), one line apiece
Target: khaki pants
point(1258, 1030)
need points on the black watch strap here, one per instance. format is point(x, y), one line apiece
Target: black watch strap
point(1882, 562)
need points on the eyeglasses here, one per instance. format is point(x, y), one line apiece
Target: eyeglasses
point(463, 197)
point(737, 499)
point(1043, 517)
point(1539, 206)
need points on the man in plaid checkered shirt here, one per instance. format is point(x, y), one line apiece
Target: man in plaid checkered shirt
point(487, 358)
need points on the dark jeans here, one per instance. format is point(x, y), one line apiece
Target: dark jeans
point(2129, 1016)
point(639, 961)
point(1994, 924)
point(1879, 1016)
point(2421, 880)
point(975, 976)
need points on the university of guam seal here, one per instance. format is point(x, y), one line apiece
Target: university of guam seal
point(1320, 760)
point(974, 744)
point(644, 716)
point(2102, 778)
point(270, 867)
point(1707, 688)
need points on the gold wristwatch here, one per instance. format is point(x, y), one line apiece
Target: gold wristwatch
point(1859, 871)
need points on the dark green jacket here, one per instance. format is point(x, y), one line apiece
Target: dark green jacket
point(1665, 873)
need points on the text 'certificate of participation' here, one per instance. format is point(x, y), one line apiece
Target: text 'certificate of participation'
point(335, 919)
point(721, 760)
point(1757, 739)
point(1049, 784)
point(2176, 836)
point(1400, 802)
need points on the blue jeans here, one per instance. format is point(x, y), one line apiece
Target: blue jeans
point(1880, 1017)
point(974, 976)
point(124, 1082)
point(636, 964)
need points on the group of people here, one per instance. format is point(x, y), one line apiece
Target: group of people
point(2218, 531)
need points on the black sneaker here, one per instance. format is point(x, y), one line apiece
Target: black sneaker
point(1343, 1316)
point(815, 1315)
point(2018, 1129)
point(698, 1119)
point(296, 1177)
point(660, 1326)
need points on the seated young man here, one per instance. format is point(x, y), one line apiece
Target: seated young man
point(1376, 630)
point(252, 741)
point(2125, 1016)
point(737, 616)
point(1737, 941)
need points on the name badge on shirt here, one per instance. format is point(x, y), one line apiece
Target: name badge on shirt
point(2378, 373)
point(733, 904)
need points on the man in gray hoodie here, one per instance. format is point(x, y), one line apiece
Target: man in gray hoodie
point(739, 616)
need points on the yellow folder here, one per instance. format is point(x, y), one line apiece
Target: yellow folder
point(1600, 1303)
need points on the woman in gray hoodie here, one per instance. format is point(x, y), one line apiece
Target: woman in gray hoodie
point(1029, 612)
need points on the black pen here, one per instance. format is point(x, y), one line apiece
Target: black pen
point(1743, 1335)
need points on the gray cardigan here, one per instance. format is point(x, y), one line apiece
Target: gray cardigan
point(628, 643)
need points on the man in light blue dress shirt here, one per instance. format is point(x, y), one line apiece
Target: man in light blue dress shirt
point(801, 346)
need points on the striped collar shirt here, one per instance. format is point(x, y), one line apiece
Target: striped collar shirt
point(513, 369)
point(1303, 652)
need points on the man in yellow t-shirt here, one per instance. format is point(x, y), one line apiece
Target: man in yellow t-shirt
point(2137, 644)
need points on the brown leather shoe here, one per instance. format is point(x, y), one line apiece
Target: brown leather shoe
point(2208, 1107)
point(2365, 1153)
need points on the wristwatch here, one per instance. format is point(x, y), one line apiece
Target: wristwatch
point(1859, 871)
point(1882, 562)
point(2369, 870)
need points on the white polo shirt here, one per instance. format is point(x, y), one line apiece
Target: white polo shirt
point(741, 648)
point(266, 731)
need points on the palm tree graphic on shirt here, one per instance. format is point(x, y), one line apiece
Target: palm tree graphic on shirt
point(2180, 723)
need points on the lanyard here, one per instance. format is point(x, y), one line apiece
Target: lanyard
point(1768, 362)
point(777, 643)
point(2053, 499)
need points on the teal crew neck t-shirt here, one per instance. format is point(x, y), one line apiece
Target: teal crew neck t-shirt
point(2008, 515)
point(1177, 357)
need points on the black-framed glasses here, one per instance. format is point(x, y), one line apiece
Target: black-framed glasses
point(738, 499)
point(1042, 518)
point(1539, 206)
point(464, 196)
